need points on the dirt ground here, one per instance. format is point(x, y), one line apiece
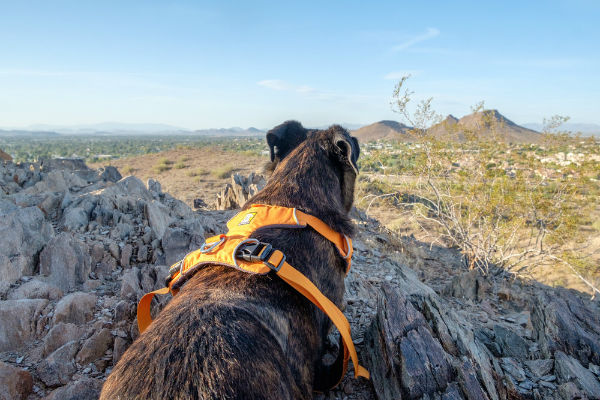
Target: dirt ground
point(192, 173)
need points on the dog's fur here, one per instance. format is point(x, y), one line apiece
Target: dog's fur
point(233, 335)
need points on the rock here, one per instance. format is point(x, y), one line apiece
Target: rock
point(142, 255)
point(468, 285)
point(94, 347)
point(60, 334)
point(199, 203)
point(69, 164)
point(15, 383)
point(24, 233)
point(66, 261)
point(36, 289)
point(511, 344)
point(158, 217)
point(513, 368)
point(126, 255)
point(154, 186)
point(176, 244)
point(20, 322)
point(76, 308)
point(130, 186)
point(58, 367)
point(97, 252)
point(403, 356)
point(562, 321)
point(540, 368)
point(114, 250)
point(83, 389)
point(109, 174)
point(569, 391)
point(119, 348)
point(568, 369)
point(241, 188)
point(75, 218)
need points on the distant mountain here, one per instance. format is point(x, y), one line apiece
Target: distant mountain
point(107, 127)
point(484, 123)
point(25, 133)
point(235, 131)
point(573, 127)
point(382, 130)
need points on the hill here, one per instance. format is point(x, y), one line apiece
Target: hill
point(487, 123)
point(382, 130)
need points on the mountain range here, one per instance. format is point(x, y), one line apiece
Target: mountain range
point(484, 123)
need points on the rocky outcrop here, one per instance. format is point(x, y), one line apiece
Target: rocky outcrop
point(80, 247)
point(241, 188)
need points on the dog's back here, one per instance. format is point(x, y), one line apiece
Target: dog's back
point(232, 335)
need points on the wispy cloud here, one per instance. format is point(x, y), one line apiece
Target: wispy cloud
point(278, 84)
point(429, 34)
point(395, 75)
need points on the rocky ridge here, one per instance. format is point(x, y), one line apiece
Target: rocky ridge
point(81, 246)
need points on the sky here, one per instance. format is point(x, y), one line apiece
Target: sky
point(196, 64)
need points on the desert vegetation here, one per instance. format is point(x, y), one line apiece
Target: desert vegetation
point(529, 209)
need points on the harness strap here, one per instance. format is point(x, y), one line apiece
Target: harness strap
point(304, 286)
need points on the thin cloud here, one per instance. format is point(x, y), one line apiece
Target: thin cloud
point(431, 33)
point(395, 75)
point(278, 84)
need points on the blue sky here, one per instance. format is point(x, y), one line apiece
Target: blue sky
point(198, 64)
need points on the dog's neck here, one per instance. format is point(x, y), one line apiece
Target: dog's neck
point(309, 182)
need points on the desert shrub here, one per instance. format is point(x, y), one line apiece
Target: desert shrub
point(223, 172)
point(180, 165)
point(197, 172)
point(495, 217)
point(128, 170)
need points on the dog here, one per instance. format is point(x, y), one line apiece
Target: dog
point(233, 335)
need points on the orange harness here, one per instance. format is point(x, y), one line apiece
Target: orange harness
point(236, 249)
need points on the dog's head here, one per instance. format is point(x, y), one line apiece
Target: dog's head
point(327, 155)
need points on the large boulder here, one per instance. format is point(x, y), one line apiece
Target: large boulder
point(15, 383)
point(21, 320)
point(77, 308)
point(158, 217)
point(65, 261)
point(58, 368)
point(24, 233)
point(36, 289)
point(83, 389)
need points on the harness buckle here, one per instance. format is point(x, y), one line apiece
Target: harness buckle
point(258, 251)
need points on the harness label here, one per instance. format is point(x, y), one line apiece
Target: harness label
point(247, 218)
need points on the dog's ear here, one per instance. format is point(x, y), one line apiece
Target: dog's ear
point(345, 152)
point(284, 138)
point(349, 150)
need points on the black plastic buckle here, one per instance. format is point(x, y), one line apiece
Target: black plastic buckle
point(259, 251)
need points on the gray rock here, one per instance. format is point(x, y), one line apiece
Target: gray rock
point(109, 174)
point(24, 233)
point(114, 250)
point(568, 369)
point(513, 368)
point(119, 348)
point(66, 261)
point(58, 367)
point(154, 186)
point(69, 164)
point(126, 255)
point(175, 244)
point(142, 255)
point(158, 217)
point(20, 322)
point(36, 289)
point(60, 334)
point(540, 368)
point(83, 389)
point(75, 218)
point(95, 346)
point(563, 321)
point(511, 344)
point(241, 188)
point(468, 285)
point(15, 383)
point(569, 391)
point(76, 308)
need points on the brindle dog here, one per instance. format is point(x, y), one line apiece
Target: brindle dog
point(233, 335)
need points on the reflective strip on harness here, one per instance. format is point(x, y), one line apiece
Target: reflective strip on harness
point(222, 250)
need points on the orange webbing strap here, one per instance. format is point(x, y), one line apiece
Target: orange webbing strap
point(342, 242)
point(143, 310)
point(302, 284)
